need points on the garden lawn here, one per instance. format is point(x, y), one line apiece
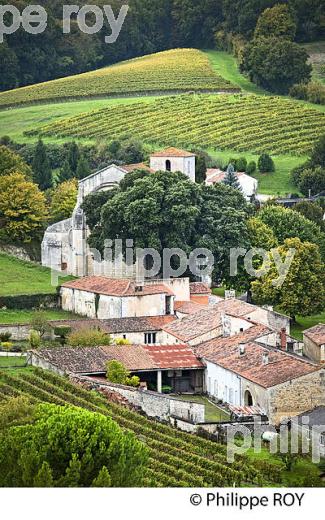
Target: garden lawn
point(12, 362)
point(212, 412)
point(303, 323)
point(18, 277)
point(10, 316)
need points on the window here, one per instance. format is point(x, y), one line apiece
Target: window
point(150, 338)
point(168, 305)
point(168, 166)
point(322, 439)
point(216, 388)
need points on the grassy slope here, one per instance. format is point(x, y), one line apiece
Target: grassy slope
point(19, 277)
point(316, 50)
point(25, 316)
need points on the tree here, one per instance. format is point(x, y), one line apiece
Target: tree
point(83, 168)
point(231, 178)
point(118, 373)
point(42, 172)
point(73, 157)
point(15, 411)
point(266, 164)
point(88, 338)
point(276, 21)
point(310, 210)
point(34, 339)
point(312, 181)
point(200, 167)
point(64, 200)
point(131, 152)
point(11, 162)
point(241, 164)
point(73, 442)
point(318, 153)
point(66, 174)
point(9, 67)
point(275, 64)
point(303, 289)
point(251, 168)
point(39, 323)
point(287, 223)
point(23, 211)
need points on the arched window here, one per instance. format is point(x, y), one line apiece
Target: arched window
point(168, 166)
point(248, 398)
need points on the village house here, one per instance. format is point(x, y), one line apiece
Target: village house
point(137, 331)
point(245, 370)
point(65, 247)
point(314, 343)
point(174, 366)
point(311, 427)
point(105, 298)
point(248, 184)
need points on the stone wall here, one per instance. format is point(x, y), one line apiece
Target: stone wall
point(296, 396)
point(153, 404)
point(313, 351)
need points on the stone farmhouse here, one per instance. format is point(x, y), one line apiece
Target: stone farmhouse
point(65, 247)
point(314, 343)
point(248, 184)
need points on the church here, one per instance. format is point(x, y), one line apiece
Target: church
point(65, 247)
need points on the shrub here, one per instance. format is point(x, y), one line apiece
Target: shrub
point(5, 336)
point(266, 164)
point(7, 346)
point(314, 92)
point(241, 164)
point(62, 332)
point(251, 168)
point(119, 374)
point(34, 339)
point(122, 341)
point(88, 338)
point(39, 323)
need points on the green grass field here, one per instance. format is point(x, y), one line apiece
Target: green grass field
point(212, 412)
point(304, 323)
point(19, 277)
point(12, 362)
point(316, 51)
point(176, 70)
point(25, 316)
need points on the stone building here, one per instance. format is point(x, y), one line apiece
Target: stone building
point(64, 246)
point(246, 370)
point(314, 343)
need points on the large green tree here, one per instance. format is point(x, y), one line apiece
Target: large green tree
point(275, 64)
point(303, 289)
point(11, 162)
point(42, 172)
point(69, 447)
point(276, 21)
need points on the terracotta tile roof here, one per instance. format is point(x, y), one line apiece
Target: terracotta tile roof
point(91, 360)
point(214, 175)
point(195, 325)
point(174, 356)
point(115, 287)
point(316, 334)
point(119, 325)
point(139, 166)
point(188, 307)
point(173, 152)
point(235, 307)
point(281, 366)
point(199, 288)
point(208, 348)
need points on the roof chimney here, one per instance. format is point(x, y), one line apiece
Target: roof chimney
point(283, 339)
point(241, 349)
point(265, 358)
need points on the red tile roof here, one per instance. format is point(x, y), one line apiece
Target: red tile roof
point(92, 360)
point(281, 366)
point(316, 334)
point(195, 325)
point(174, 356)
point(235, 307)
point(199, 288)
point(173, 152)
point(115, 287)
point(188, 307)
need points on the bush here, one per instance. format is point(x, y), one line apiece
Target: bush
point(119, 374)
point(266, 164)
point(5, 336)
point(88, 338)
point(251, 168)
point(34, 339)
point(241, 164)
point(314, 92)
point(62, 332)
